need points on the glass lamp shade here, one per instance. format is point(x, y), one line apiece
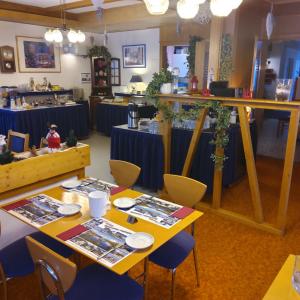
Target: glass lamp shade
point(80, 36)
point(72, 36)
point(220, 8)
point(235, 3)
point(49, 35)
point(157, 7)
point(57, 36)
point(187, 9)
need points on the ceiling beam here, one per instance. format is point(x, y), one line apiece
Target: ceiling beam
point(35, 19)
point(281, 2)
point(72, 5)
point(33, 10)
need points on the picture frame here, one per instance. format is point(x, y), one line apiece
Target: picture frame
point(86, 78)
point(35, 55)
point(134, 56)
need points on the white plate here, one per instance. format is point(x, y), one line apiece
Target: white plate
point(71, 184)
point(69, 209)
point(140, 240)
point(124, 202)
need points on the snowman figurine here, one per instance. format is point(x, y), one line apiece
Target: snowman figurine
point(53, 139)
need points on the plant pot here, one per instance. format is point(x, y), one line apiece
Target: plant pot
point(166, 88)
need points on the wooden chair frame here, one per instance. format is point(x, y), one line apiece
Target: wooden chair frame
point(241, 104)
point(24, 136)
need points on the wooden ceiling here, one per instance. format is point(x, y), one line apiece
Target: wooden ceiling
point(117, 15)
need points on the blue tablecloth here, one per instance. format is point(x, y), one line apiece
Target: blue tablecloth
point(109, 115)
point(146, 150)
point(35, 121)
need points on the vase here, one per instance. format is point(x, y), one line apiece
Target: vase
point(166, 88)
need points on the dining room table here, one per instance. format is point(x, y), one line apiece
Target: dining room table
point(71, 229)
point(282, 287)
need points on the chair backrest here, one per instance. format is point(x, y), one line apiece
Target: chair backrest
point(124, 173)
point(183, 190)
point(17, 141)
point(55, 271)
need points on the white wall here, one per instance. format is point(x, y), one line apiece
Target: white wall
point(150, 37)
point(71, 66)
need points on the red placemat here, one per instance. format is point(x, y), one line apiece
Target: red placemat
point(117, 190)
point(16, 204)
point(66, 235)
point(182, 212)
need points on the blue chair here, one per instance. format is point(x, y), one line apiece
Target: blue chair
point(187, 192)
point(61, 278)
point(15, 259)
point(17, 142)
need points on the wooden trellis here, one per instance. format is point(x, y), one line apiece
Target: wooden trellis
point(241, 104)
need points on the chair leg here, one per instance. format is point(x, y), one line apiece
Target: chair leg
point(3, 282)
point(196, 263)
point(173, 283)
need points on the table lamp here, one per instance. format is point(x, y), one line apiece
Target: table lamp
point(134, 80)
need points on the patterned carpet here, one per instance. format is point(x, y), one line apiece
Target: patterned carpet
point(237, 262)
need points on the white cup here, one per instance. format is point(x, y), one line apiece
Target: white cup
point(98, 203)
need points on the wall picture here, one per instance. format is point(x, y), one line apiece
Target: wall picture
point(37, 56)
point(134, 56)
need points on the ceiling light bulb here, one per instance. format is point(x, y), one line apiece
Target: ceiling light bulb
point(49, 35)
point(72, 36)
point(57, 36)
point(235, 3)
point(187, 9)
point(157, 7)
point(220, 8)
point(80, 36)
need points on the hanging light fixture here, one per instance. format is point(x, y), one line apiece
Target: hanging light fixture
point(157, 7)
point(235, 3)
point(187, 9)
point(220, 8)
point(56, 35)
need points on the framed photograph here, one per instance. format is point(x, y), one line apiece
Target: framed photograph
point(37, 56)
point(85, 77)
point(134, 56)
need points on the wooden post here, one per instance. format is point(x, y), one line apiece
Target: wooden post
point(250, 162)
point(217, 187)
point(167, 135)
point(194, 142)
point(288, 169)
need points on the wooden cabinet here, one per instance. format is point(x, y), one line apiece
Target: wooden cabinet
point(101, 77)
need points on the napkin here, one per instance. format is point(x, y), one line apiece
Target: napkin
point(117, 190)
point(66, 235)
point(182, 212)
point(16, 204)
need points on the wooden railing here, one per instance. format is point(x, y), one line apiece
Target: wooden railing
point(241, 104)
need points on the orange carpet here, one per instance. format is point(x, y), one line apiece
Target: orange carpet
point(237, 261)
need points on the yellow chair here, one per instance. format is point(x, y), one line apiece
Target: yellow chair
point(17, 142)
point(60, 277)
point(124, 173)
point(186, 192)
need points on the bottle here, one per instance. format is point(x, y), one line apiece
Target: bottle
point(232, 119)
point(12, 103)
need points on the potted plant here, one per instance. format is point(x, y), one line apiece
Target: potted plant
point(71, 140)
point(6, 156)
point(161, 83)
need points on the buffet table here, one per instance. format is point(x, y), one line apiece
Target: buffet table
point(146, 150)
point(110, 114)
point(34, 121)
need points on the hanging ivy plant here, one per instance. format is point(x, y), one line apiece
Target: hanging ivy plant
point(99, 51)
point(192, 54)
point(226, 65)
point(222, 113)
